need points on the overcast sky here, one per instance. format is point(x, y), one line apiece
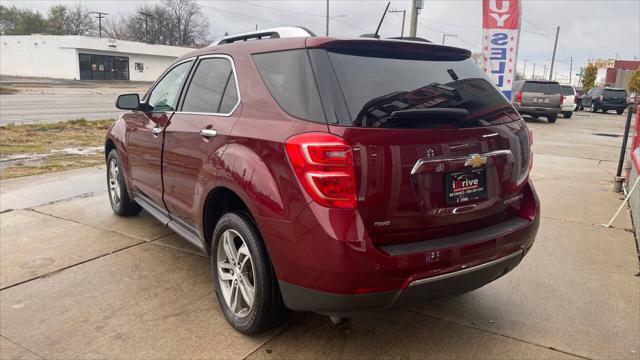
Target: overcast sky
point(588, 28)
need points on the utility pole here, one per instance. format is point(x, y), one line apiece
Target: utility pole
point(544, 74)
point(100, 16)
point(404, 13)
point(327, 28)
point(524, 70)
point(555, 47)
point(570, 69)
point(445, 35)
point(413, 27)
point(533, 76)
point(146, 20)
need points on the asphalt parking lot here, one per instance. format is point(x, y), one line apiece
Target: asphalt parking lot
point(78, 282)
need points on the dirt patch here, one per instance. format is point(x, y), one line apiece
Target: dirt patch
point(36, 149)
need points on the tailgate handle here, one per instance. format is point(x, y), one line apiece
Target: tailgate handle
point(440, 164)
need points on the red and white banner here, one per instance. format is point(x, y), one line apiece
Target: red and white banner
point(501, 33)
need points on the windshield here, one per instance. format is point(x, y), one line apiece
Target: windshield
point(567, 90)
point(378, 90)
point(614, 93)
point(545, 88)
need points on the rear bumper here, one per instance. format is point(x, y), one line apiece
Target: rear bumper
point(538, 111)
point(454, 283)
point(568, 107)
point(606, 106)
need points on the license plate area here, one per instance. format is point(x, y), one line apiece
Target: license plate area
point(540, 100)
point(465, 186)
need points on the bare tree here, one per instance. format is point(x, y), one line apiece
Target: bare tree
point(116, 28)
point(74, 20)
point(189, 26)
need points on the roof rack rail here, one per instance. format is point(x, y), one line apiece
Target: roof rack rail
point(274, 33)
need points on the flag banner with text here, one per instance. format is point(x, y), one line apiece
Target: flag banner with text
point(501, 33)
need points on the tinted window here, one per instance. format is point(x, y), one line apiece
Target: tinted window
point(614, 93)
point(379, 89)
point(567, 90)
point(206, 91)
point(290, 80)
point(542, 88)
point(165, 95)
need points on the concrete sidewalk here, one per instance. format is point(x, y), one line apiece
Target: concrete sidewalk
point(77, 281)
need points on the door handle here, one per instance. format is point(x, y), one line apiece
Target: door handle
point(208, 132)
point(156, 130)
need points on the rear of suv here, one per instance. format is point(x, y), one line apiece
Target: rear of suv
point(326, 175)
point(605, 99)
point(538, 98)
point(569, 100)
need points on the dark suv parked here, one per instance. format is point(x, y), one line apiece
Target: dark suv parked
point(538, 98)
point(605, 99)
point(326, 175)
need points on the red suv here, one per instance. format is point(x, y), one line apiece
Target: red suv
point(326, 175)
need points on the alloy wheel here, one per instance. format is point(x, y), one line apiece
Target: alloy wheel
point(114, 184)
point(235, 273)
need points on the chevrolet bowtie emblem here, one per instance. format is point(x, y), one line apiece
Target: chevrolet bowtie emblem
point(476, 161)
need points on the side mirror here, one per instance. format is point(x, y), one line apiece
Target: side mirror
point(128, 102)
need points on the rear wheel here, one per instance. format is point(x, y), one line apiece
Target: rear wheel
point(594, 108)
point(121, 202)
point(567, 114)
point(619, 112)
point(245, 283)
point(552, 118)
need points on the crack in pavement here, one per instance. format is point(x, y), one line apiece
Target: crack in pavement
point(499, 334)
point(22, 347)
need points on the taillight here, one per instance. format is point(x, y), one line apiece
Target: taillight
point(323, 164)
point(561, 99)
point(519, 97)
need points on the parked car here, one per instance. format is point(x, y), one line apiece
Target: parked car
point(605, 99)
point(578, 99)
point(538, 98)
point(568, 103)
point(326, 175)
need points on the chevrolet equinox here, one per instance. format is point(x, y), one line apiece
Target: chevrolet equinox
point(329, 175)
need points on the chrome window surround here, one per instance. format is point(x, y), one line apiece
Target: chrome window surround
point(235, 78)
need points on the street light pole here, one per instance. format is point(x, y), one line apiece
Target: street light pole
point(445, 35)
point(327, 25)
point(404, 13)
point(555, 47)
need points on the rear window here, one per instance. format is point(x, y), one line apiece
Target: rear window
point(614, 93)
point(542, 88)
point(406, 92)
point(289, 78)
point(567, 90)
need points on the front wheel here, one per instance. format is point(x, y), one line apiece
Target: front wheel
point(552, 118)
point(567, 114)
point(594, 108)
point(121, 202)
point(245, 283)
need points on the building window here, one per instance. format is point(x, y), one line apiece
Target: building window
point(103, 67)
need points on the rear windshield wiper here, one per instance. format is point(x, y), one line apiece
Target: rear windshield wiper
point(441, 114)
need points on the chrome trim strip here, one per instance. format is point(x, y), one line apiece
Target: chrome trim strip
point(235, 78)
point(468, 270)
point(421, 162)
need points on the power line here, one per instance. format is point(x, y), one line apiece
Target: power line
point(281, 10)
point(243, 15)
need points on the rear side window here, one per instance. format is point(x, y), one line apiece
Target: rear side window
point(567, 90)
point(212, 88)
point(614, 93)
point(290, 80)
point(542, 88)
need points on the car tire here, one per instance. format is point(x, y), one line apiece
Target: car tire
point(119, 198)
point(619, 112)
point(567, 114)
point(243, 277)
point(552, 118)
point(594, 108)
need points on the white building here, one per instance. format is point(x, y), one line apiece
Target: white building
point(85, 58)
